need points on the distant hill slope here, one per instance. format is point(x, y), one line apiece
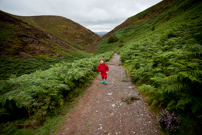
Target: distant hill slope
point(149, 19)
point(25, 48)
point(101, 33)
point(22, 40)
point(140, 18)
point(63, 28)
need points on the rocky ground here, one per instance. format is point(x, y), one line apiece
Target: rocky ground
point(101, 110)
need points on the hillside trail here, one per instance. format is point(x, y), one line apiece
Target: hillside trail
point(100, 110)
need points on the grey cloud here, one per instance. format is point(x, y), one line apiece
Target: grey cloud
point(97, 15)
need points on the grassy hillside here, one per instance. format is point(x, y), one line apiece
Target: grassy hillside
point(19, 39)
point(161, 49)
point(167, 13)
point(24, 45)
point(65, 29)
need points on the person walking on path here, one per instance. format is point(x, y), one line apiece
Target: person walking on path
point(103, 69)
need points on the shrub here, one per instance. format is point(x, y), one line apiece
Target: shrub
point(168, 122)
point(121, 44)
point(19, 67)
point(153, 28)
point(112, 39)
point(121, 41)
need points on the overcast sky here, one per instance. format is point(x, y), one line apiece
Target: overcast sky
point(96, 15)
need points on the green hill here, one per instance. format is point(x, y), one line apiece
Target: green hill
point(20, 39)
point(65, 29)
point(24, 48)
point(164, 15)
point(161, 48)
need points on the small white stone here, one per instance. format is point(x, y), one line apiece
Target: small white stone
point(133, 132)
point(109, 94)
point(113, 105)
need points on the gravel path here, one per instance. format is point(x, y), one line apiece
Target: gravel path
point(101, 111)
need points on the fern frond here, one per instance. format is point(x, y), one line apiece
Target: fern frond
point(146, 88)
point(154, 102)
point(197, 105)
point(179, 65)
point(175, 87)
point(173, 78)
point(183, 101)
point(171, 104)
point(197, 73)
point(189, 76)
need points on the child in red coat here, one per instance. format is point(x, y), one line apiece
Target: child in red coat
point(103, 69)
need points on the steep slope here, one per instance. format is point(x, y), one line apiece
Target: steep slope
point(143, 16)
point(149, 19)
point(161, 48)
point(65, 29)
point(138, 19)
point(35, 48)
point(19, 39)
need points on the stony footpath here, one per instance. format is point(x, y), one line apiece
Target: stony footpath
point(101, 110)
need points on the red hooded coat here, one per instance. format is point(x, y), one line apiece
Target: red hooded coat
point(103, 68)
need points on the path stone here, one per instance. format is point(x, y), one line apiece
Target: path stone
point(101, 111)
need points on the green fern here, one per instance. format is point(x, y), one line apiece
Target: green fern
point(42, 91)
point(169, 71)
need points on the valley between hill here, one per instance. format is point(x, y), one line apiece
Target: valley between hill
point(160, 48)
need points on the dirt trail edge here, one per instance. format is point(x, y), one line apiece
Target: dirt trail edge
point(101, 111)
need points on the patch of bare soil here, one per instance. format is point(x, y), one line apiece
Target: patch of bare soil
point(101, 110)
